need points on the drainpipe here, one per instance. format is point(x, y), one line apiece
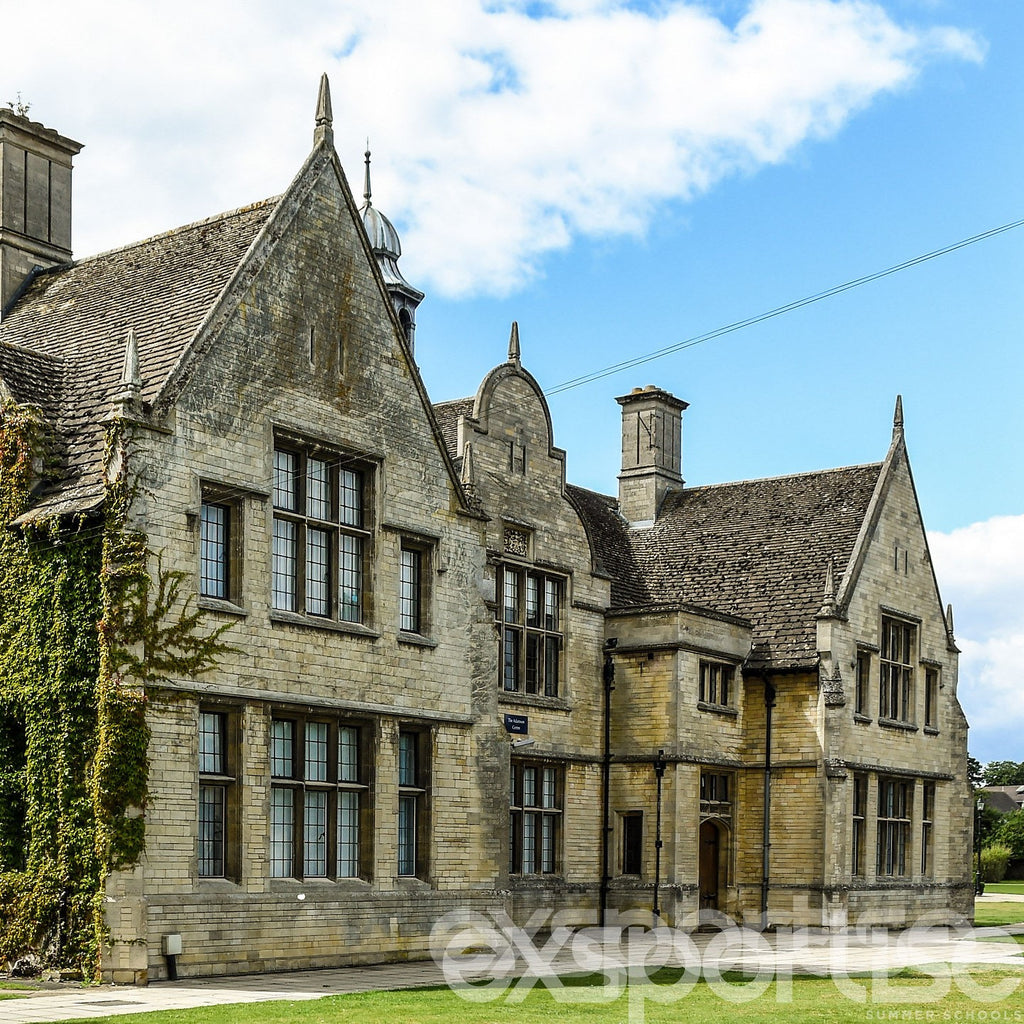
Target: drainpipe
point(769, 703)
point(608, 678)
point(659, 771)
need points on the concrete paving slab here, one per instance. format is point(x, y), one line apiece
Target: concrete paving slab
point(857, 952)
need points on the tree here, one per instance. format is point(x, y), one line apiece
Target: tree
point(1010, 832)
point(975, 773)
point(1004, 773)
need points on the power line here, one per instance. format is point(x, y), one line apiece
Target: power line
point(699, 339)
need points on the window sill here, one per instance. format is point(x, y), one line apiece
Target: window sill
point(891, 723)
point(532, 881)
point(327, 625)
point(863, 719)
point(411, 882)
point(533, 700)
point(717, 709)
point(416, 640)
point(216, 604)
point(289, 885)
point(217, 884)
point(930, 730)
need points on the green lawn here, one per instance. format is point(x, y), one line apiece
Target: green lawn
point(804, 1001)
point(998, 914)
point(1015, 888)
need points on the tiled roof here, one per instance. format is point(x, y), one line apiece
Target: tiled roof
point(757, 549)
point(447, 414)
point(78, 316)
point(609, 542)
point(33, 378)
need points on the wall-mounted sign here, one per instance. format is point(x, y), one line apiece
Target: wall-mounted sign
point(517, 724)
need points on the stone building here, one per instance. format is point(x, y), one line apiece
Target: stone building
point(454, 680)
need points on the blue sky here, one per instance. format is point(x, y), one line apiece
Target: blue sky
point(622, 177)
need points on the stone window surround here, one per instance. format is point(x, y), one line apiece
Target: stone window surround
point(333, 785)
point(217, 771)
point(536, 802)
point(520, 633)
point(412, 820)
point(336, 458)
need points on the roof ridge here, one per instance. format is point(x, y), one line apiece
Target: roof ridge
point(590, 490)
point(40, 353)
point(783, 476)
point(237, 212)
point(452, 401)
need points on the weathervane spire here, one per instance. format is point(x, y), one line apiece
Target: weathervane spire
point(366, 178)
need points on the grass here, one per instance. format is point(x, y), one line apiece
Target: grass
point(1011, 888)
point(803, 1001)
point(988, 915)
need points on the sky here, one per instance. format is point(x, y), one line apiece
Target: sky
point(623, 177)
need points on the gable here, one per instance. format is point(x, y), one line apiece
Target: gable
point(891, 568)
point(305, 339)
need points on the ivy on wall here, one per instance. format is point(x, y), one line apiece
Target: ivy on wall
point(83, 628)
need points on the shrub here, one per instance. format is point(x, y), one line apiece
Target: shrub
point(994, 859)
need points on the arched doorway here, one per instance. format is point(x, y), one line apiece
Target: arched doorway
point(709, 867)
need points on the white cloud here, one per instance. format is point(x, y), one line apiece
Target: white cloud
point(981, 571)
point(499, 137)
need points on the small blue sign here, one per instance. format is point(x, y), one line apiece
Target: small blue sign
point(519, 725)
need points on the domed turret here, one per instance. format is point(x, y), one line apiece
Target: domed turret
point(387, 248)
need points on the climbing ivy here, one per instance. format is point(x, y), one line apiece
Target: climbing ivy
point(83, 627)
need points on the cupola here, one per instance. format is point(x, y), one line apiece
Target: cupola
point(387, 249)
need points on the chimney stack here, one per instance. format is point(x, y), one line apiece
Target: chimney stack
point(651, 451)
point(35, 200)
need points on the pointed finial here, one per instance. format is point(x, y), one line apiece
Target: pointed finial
point(131, 378)
point(828, 604)
point(949, 619)
point(897, 418)
point(130, 375)
point(513, 345)
point(366, 179)
point(324, 131)
point(468, 472)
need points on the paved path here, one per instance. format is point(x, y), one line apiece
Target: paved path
point(858, 952)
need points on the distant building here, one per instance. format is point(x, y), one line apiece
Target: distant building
point(1004, 799)
point(455, 680)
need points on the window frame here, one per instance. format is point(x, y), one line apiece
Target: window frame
point(716, 683)
point(413, 785)
point(859, 819)
point(231, 500)
point(536, 816)
point(216, 854)
point(897, 658)
point(928, 829)
point(632, 846)
point(315, 783)
point(932, 683)
point(321, 532)
point(519, 637)
point(717, 794)
point(862, 682)
point(894, 815)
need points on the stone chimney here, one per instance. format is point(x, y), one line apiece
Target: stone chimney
point(35, 200)
point(651, 451)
